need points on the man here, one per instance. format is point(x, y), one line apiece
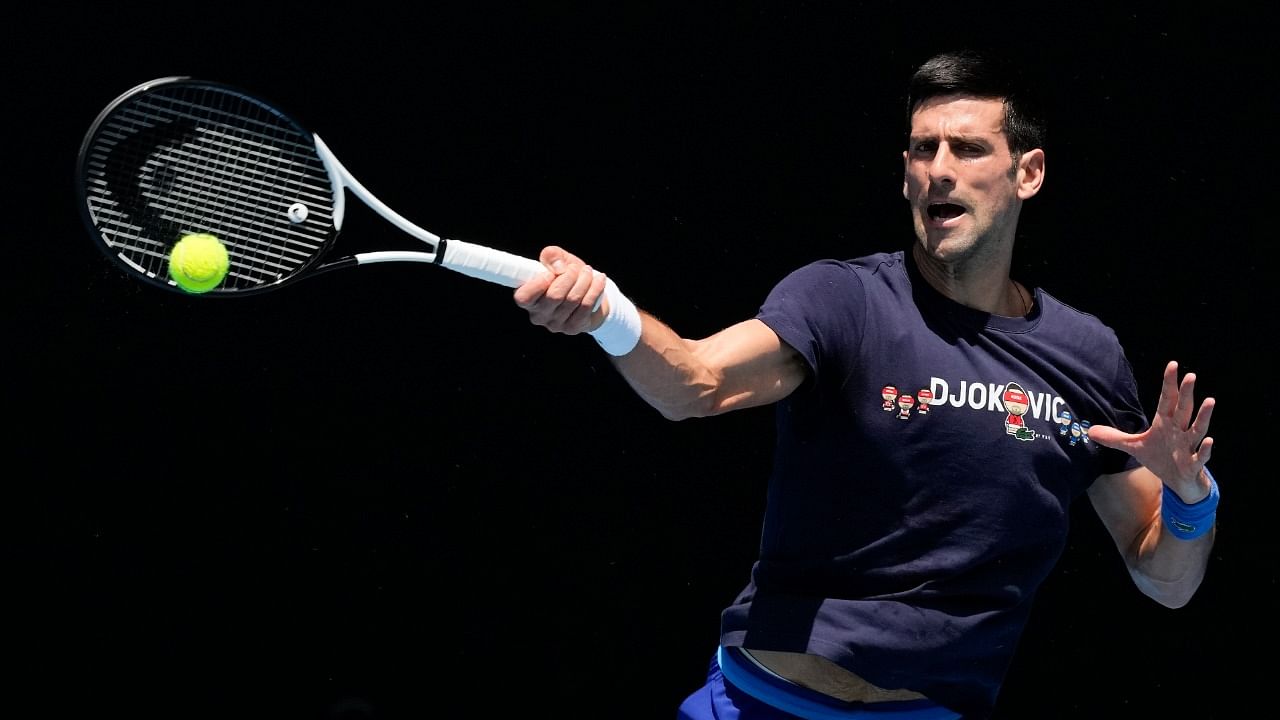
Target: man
point(902, 546)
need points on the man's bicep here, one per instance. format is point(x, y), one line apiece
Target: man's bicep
point(1126, 502)
point(754, 365)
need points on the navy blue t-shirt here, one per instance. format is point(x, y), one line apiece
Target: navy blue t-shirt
point(922, 475)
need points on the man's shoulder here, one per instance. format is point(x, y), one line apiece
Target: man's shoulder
point(871, 264)
point(878, 262)
point(829, 283)
point(1072, 322)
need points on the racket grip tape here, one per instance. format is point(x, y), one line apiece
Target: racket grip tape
point(621, 329)
point(495, 266)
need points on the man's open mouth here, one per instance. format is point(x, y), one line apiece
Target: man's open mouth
point(944, 211)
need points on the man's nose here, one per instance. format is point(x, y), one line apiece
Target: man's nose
point(942, 168)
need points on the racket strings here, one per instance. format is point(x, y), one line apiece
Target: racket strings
point(197, 158)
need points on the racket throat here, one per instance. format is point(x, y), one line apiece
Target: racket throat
point(344, 180)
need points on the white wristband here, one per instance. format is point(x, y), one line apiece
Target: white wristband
point(620, 331)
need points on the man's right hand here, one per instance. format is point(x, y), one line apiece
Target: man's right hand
point(561, 299)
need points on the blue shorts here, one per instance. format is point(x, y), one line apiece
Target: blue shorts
point(750, 693)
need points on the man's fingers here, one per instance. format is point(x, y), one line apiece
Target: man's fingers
point(551, 253)
point(532, 290)
point(1168, 389)
point(581, 285)
point(1111, 437)
point(1200, 428)
point(569, 314)
point(562, 299)
point(1186, 401)
point(1205, 451)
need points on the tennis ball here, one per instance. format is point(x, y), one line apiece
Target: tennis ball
point(198, 262)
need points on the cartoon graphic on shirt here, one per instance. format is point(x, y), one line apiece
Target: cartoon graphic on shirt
point(890, 394)
point(1019, 405)
point(1064, 422)
point(1074, 428)
point(925, 396)
point(904, 406)
point(1016, 405)
point(1076, 433)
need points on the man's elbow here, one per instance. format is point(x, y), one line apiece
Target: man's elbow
point(697, 408)
point(1171, 601)
point(1173, 595)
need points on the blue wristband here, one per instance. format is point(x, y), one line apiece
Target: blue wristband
point(1188, 522)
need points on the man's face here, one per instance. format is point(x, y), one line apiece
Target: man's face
point(962, 183)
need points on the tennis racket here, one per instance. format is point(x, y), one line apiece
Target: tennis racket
point(177, 155)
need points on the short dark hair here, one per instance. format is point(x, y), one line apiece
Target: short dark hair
point(985, 75)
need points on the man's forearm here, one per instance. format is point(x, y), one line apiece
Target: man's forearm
point(666, 372)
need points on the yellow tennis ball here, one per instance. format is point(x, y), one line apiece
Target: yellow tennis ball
point(199, 262)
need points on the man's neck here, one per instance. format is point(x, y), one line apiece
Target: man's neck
point(979, 283)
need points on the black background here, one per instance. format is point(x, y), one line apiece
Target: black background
point(375, 491)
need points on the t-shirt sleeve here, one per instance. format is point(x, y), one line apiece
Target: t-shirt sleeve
point(1126, 415)
point(819, 310)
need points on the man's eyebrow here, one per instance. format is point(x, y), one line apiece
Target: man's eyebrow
point(953, 138)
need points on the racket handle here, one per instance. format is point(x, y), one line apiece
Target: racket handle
point(488, 264)
point(497, 266)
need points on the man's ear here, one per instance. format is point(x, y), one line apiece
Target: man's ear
point(904, 175)
point(1030, 173)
